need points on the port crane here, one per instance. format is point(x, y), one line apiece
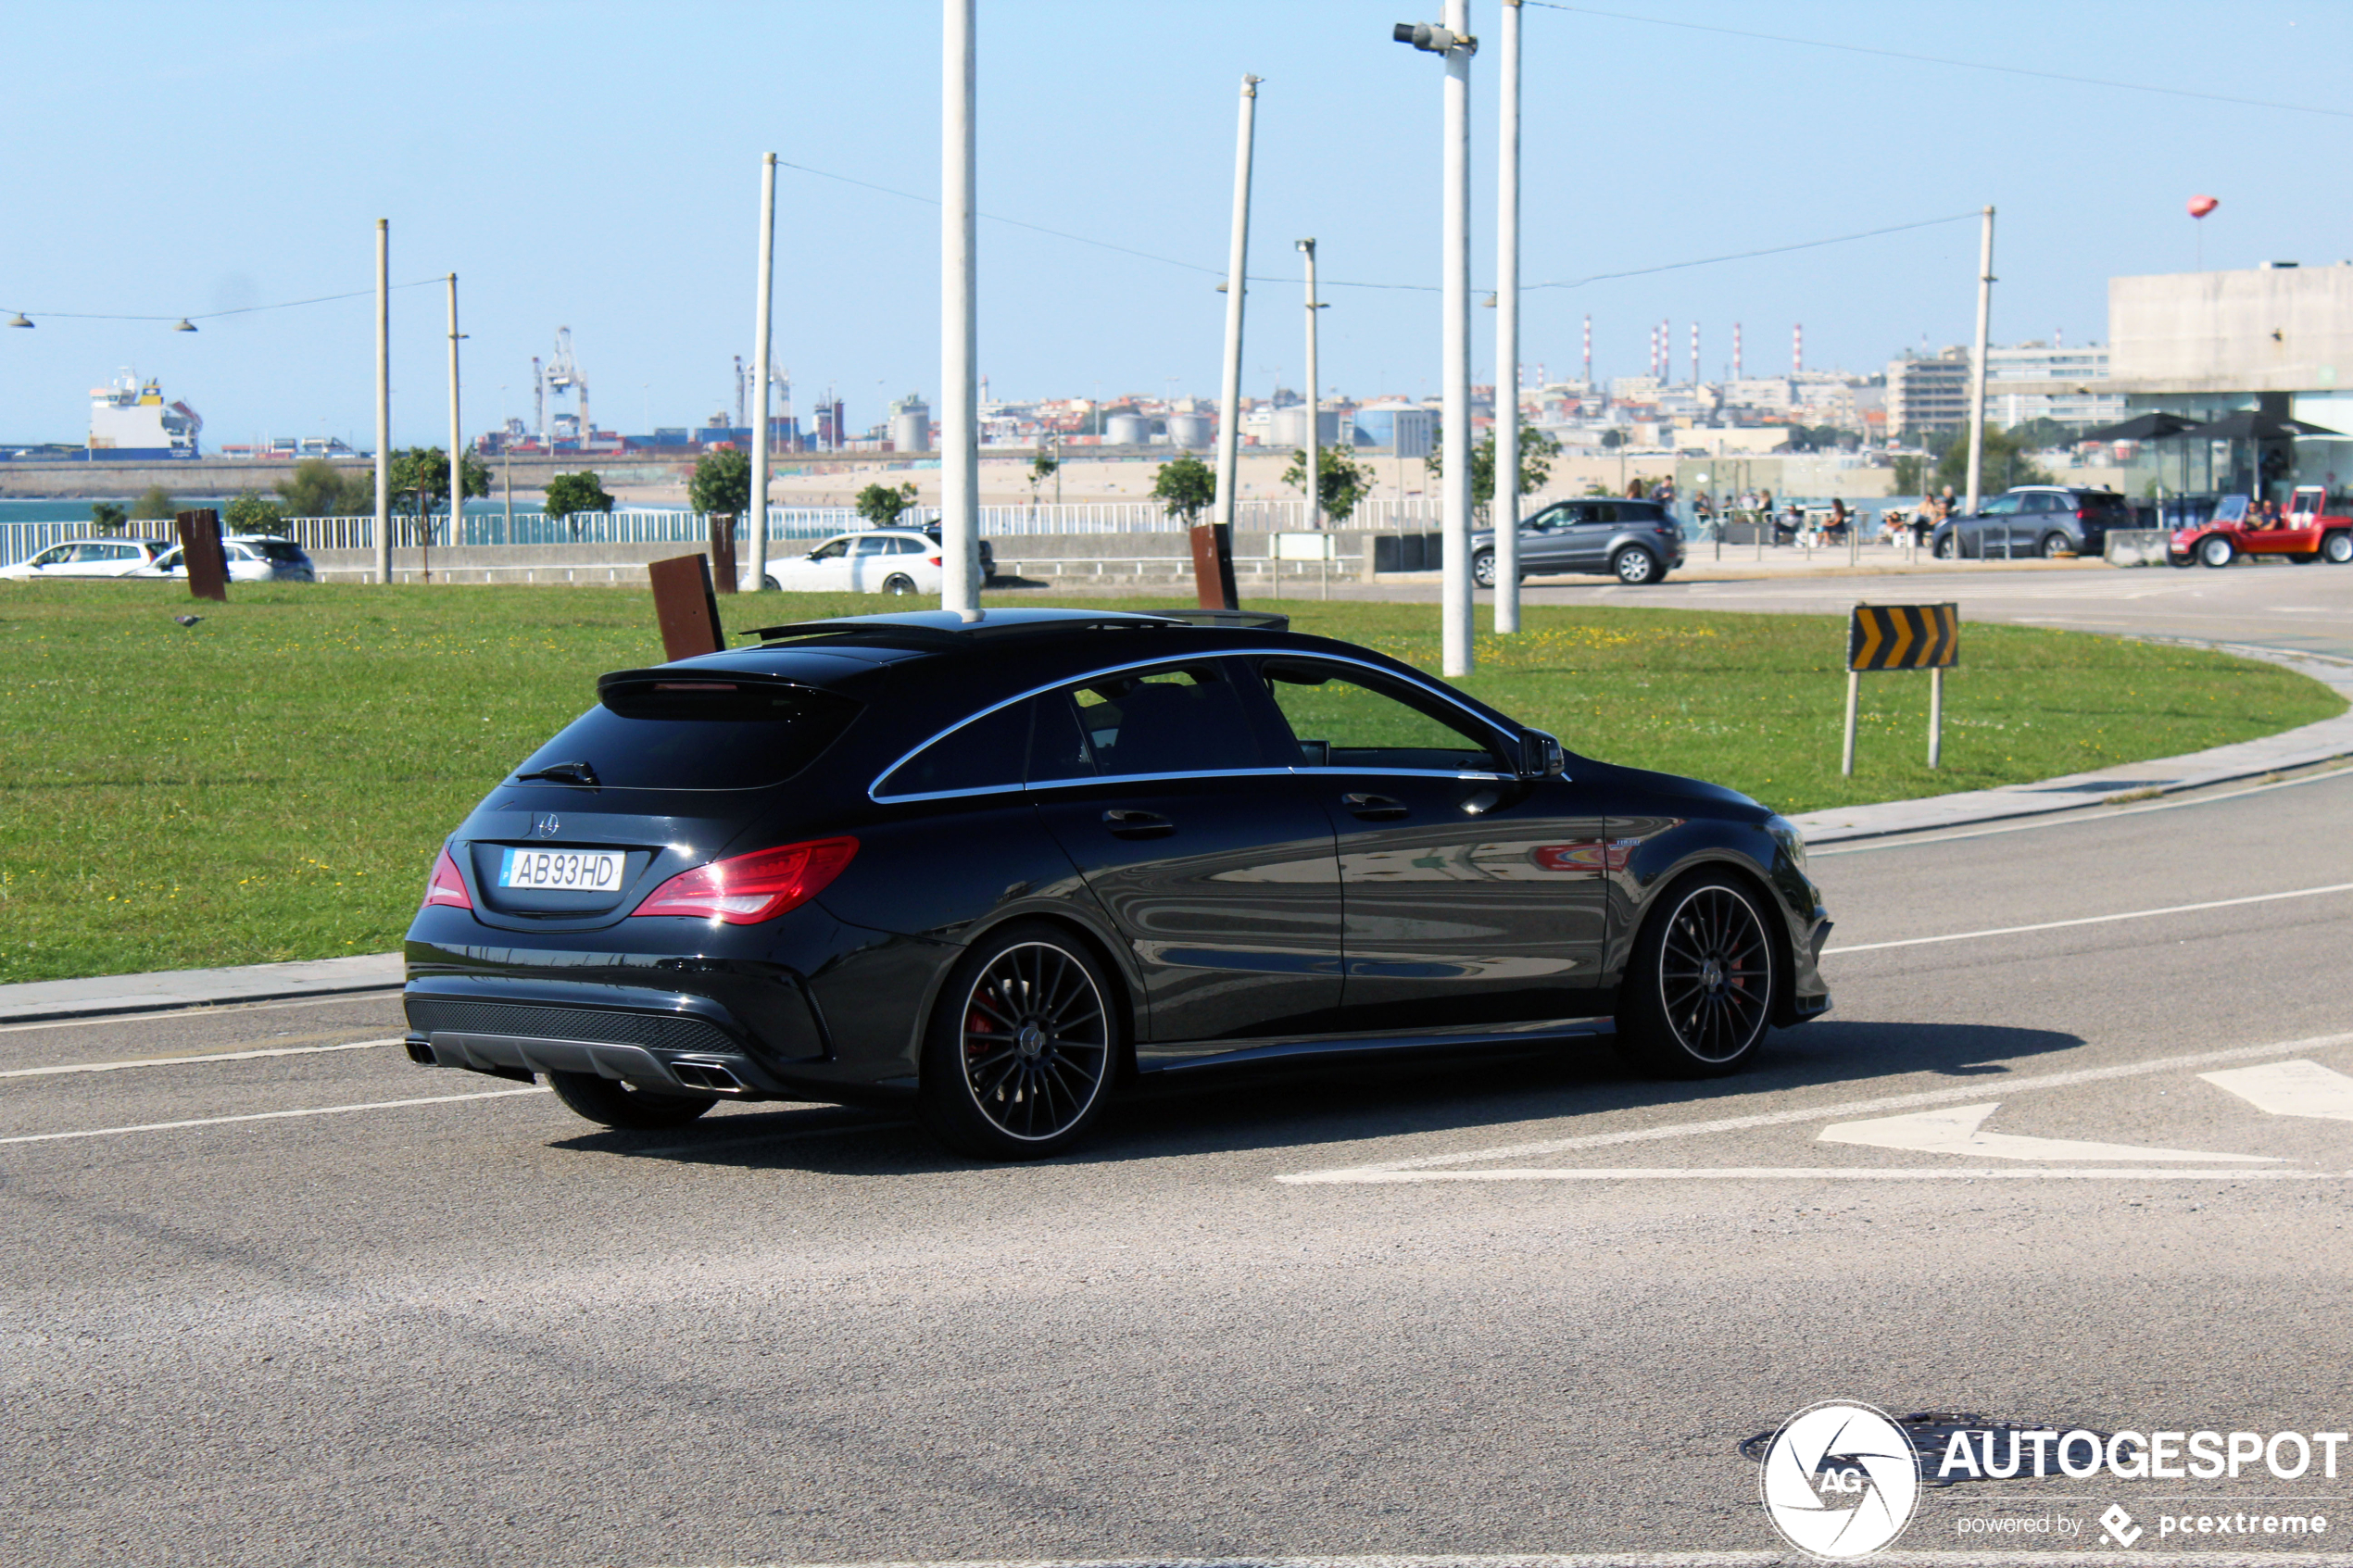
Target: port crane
point(564, 375)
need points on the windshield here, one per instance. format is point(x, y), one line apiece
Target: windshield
point(2230, 508)
point(697, 734)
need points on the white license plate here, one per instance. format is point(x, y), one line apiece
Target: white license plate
point(571, 870)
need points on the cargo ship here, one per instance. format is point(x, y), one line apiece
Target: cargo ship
point(128, 419)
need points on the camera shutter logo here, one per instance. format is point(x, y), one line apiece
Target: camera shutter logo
point(1840, 1480)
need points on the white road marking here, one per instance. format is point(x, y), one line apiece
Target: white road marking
point(1373, 1176)
point(2094, 920)
point(1730, 1558)
point(1954, 1130)
point(1829, 1113)
point(267, 1116)
point(183, 1060)
point(206, 1009)
point(2290, 1088)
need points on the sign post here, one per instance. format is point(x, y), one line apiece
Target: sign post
point(201, 556)
point(1901, 637)
point(685, 606)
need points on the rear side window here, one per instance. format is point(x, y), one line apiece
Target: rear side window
point(985, 754)
point(1184, 720)
point(680, 732)
point(276, 549)
point(2105, 508)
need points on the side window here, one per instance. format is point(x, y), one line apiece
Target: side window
point(1599, 511)
point(833, 551)
point(1551, 517)
point(871, 547)
point(985, 754)
point(1350, 718)
point(906, 547)
point(1184, 720)
point(55, 555)
point(2000, 505)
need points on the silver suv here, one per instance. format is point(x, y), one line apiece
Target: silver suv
point(1636, 542)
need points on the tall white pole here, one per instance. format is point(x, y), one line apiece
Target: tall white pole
point(959, 343)
point(1314, 415)
point(1977, 361)
point(383, 402)
point(457, 453)
point(1454, 443)
point(1507, 507)
point(758, 574)
point(1229, 385)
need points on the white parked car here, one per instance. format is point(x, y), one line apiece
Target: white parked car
point(899, 562)
point(89, 558)
point(252, 558)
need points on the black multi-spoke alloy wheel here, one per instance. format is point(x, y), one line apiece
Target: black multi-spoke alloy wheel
point(1698, 994)
point(1023, 1046)
point(624, 1105)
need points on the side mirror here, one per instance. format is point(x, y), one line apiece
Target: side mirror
point(1540, 756)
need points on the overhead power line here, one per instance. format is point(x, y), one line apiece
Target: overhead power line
point(1947, 60)
point(215, 315)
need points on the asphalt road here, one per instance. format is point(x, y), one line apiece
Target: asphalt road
point(299, 1303)
point(2299, 609)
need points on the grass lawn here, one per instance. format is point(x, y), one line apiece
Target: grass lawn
point(272, 782)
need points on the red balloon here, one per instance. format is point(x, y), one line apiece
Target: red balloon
point(2201, 206)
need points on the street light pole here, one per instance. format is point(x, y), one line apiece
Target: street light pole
point(384, 403)
point(959, 343)
point(1507, 507)
point(1977, 364)
point(760, 349)
point(1455, 345)
point(1314, 419)
point(457, 457)
point(1229, 385)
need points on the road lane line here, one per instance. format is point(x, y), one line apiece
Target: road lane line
point(206, 1009)
point(183, 1061)
point(1373, 1176)
point(2290, 1088)
point(1975, 1089)
point(2094, 920)
point(266, 1116)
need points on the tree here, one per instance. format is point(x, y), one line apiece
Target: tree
point(881, 504)
point(1341, 482)
point(2041, 434)
point(108, 516)
point(318, 488)
point(1041, 468)
point(721, 484)
point(1536, 451)
point(420, 481)
point(1186, 488)
point(569, 495)
point(1911, 476)
point(249, 511)
point(154, 504)
point(1613, 439)
point(2005, 464)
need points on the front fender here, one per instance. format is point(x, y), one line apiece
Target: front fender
point(1649, 853)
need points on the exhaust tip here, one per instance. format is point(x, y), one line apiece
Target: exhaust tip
point(707, 1075)
point(421, 1053)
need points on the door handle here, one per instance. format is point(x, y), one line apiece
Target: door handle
point(1137, 824)
point(1373, 808)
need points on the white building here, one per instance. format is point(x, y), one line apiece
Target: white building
point(2078, 370)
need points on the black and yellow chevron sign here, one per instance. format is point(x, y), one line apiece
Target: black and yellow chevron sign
point(1904, 637)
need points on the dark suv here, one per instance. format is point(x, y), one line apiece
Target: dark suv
point(2034, 520)
point(1635, 542)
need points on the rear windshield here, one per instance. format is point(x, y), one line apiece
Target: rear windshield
point(2100, 503)
point(689, 734)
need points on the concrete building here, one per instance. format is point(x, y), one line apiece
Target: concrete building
point(2081, 373)
point(1927, 396)
point(910, 424)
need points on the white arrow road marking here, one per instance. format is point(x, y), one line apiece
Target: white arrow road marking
point(2094, 920)
point(2290, 1088)
point(1954, 1130)
point(266, 1116)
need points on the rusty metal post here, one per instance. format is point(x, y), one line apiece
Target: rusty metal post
point(685, 606)
point(1214, 566)
point(200, 552)
point(722, 553)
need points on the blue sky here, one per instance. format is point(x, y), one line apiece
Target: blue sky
point(596, 166)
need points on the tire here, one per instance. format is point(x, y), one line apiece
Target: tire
point(1023, 1046)
point(2055, 543)
point(1945, 548)
point(771, 584)
point(2215, 550)
point(1483, 568)
point(625, 1106)
point(899, 585)
point(1635, 567)
point(1699, 989)
point(2336, 548)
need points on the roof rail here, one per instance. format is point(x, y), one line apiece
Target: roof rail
point(934, 629)
point(1235, 620)
point(931, 636)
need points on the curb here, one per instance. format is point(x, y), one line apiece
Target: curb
point(113, 996)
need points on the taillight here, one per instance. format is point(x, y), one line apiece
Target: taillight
point(933, 560)
point(447, 887)
point(2083, 514)
point(747, 889)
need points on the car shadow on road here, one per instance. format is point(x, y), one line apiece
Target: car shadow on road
point(1557, 1085)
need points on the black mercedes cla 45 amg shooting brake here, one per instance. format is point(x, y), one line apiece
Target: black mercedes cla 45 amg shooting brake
point(996, 868)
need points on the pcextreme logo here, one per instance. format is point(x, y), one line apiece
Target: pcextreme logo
point(1840, 1480)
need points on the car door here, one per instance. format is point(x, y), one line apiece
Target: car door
point(824, 569)
point(1468, 895)
point(50, 562)
point(866, 563)
point(1205, 854)
point(1988, 534)
point(1586, 546)
point(1544, 538)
